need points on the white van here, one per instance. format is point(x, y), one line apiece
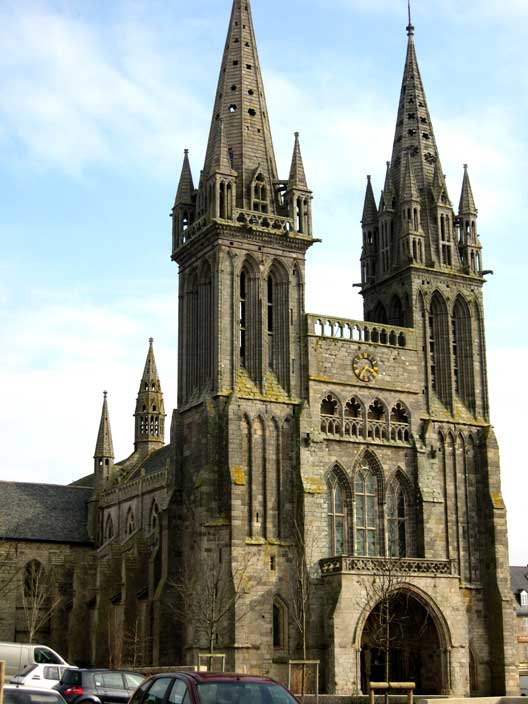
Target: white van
point(18, 656)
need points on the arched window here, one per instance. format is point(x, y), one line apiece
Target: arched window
point(154, 517)
point(270, 297)
point(336, 517)
point(109, 528)
point(439, 349)
point(330, 415)
point(366, 513)
point(260, 195)
point(377, 421)
point(130, 525)
point(397, 513)
point(354, 419)
point(462, 353)
point(243, 318)
point(399, 423)
point(34, 574)
point(280, 625)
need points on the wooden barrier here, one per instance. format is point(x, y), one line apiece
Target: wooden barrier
point(384, 686)
point(2, 678)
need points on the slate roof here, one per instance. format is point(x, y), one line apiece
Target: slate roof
point(519, 582)
point(44, 512)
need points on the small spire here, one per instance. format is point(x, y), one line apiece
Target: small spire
point(150, 373)
point(467, 202)
point(370, 210)
point(104, 447)
point(439, 186)
point(220, 159)
point(410, 26)
point(297, 175)
point(410, 188)
point(186, 185)
point(150, 410)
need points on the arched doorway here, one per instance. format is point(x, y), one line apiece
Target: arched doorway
point(403, 625)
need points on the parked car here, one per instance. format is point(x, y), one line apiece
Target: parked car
point(211, 688)
point(18, 656)
point(13, 694)
point(40, 676)
point(97, 686)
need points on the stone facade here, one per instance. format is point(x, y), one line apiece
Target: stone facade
point(311, 459)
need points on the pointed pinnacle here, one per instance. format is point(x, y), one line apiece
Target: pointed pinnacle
point(410, 187)
point(104, 446)
point(220, 160)
point(467, 202)
point(370, 209)
point(150, 372)
point(186, 185)
point(410, 26)
point(297, 175)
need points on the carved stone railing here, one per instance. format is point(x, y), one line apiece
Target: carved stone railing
point(244, 218)
point(360, 331)
point(342, 564)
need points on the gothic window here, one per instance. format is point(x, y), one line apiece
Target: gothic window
point(260, 195)
point(397, 513)
point(243, 318)
point(34, 574)
point(399, 423)
point(154, 517)
point(379, 314)
point(377, 421)
point(366, 513)
point(439, 365)
point(280, 625)
point(445, 237)
point(354, 419)
point(130, 524)
point(270, 288)
point(336, 517)
point(330, 415)
point(397, 316)
point(462, 353)
point(109, 528)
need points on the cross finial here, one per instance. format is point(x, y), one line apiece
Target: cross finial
point(105, 393)
point(151, 340)
point(410, 26)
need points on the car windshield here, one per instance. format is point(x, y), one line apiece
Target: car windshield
point(230, 692)
point(26, 696)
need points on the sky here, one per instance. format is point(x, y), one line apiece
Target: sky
point(99, 99)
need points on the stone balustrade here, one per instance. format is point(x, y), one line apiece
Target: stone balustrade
point(360, 331)
point(343, 564)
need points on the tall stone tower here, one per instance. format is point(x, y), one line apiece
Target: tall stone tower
point(240, 240)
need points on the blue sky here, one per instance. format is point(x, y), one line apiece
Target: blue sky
point(98, 101)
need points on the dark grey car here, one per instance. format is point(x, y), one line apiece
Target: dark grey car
point(98, 686)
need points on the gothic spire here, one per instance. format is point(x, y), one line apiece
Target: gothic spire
point(297, 178)
point(150, 410)
point(220, 160)
point(104, 447)
point(186, 185)
point(409, 186)
point(241, 104)
point(414, 130)
point(467, 202)
point(370, 210)
point(439, 186)
point(387, 196)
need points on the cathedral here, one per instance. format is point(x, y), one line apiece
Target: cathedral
point(315, 464)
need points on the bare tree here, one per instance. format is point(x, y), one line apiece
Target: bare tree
point(40, 597)
point(203, 600)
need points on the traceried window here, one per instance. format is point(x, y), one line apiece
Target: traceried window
point(354, 420)
point(330, 415)
point(399, 423)
point(260, 195)
point(366, 513)
point(336, 517)
point(243, 318)
point(109, 528)
point(270, 287)
point(377, 421)
point(397, 520)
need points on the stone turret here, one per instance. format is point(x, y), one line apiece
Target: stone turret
point(150, 410)
point(183, 212)
point(104, 450)
point(470, 247)
point(298, 196)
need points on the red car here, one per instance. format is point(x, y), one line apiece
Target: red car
point(211, 688)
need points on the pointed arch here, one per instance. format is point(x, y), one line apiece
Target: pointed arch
point(399, 511)
point(400, 423)
point(153, 517)
point(280, 624)
point(338, 508)
point(277, 321)
point(378, 420)
point(369, 492)
point(331, 414)
point(250, 332)
point(439, 353)
point(205, 326)
point(108, 528)
point(379, 314)
point(354, 418)
point(462, 352)
point(396, 312)
point(130, 522)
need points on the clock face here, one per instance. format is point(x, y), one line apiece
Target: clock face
point(365, 367)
